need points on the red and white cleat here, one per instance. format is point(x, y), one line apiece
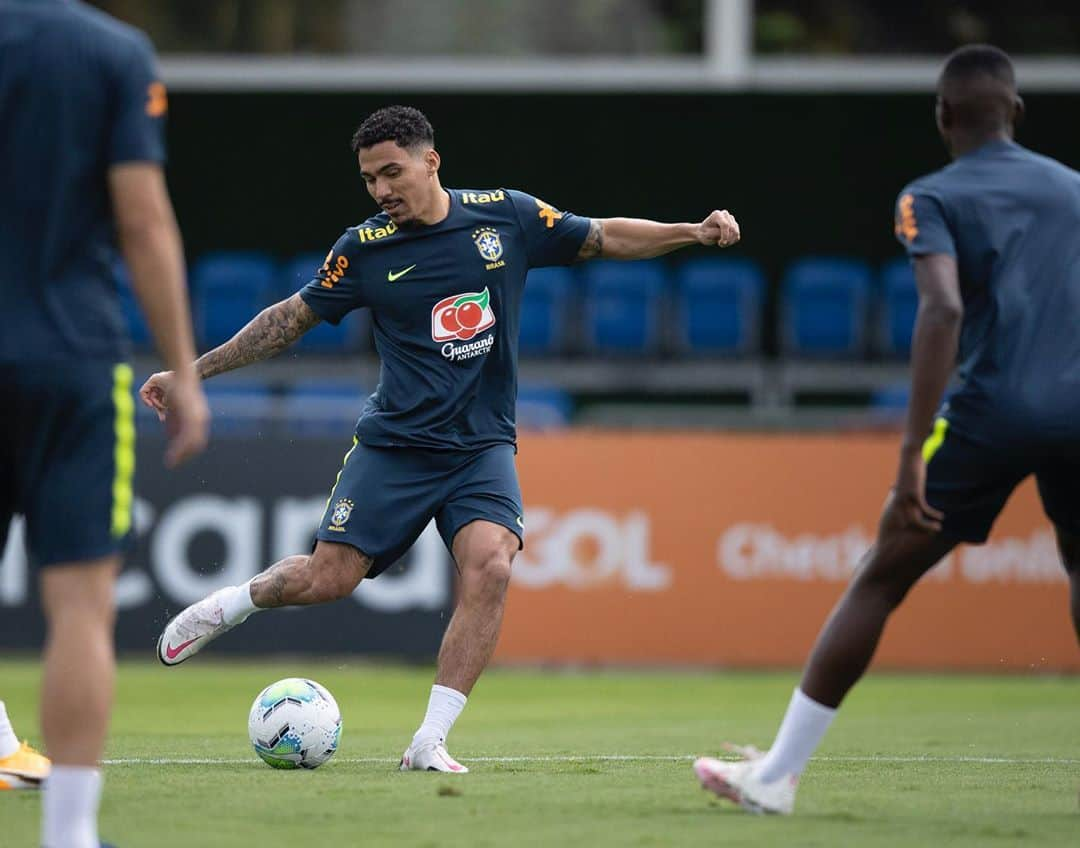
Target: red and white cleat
point(738, 781)
point(430, 757)
point(192, 630)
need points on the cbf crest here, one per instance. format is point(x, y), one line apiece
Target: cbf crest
point(342, 510)
point(489, 244)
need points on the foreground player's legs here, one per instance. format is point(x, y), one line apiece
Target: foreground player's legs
point(328, 574)
point(76, 696)
point(483, 551)
point(841, 655)
point(1069, 546)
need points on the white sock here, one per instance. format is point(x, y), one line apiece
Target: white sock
point(69, 807)
point(236, 603)
point(444, 706)
point(9, 743)
point(801, 731)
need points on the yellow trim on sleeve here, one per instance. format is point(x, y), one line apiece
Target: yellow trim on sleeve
point(124, 450)
point(935, 440)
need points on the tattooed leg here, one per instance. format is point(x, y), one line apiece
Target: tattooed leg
point(332, 572)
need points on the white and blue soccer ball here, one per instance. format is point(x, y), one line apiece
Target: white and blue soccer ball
point(295, 723)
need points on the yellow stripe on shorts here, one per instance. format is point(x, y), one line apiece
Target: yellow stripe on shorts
point(935, 440)
point(348, 453)
point(124, 451)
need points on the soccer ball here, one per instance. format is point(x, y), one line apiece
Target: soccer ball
point(295, 723)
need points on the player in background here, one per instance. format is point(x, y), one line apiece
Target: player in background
point(993, 238)
point(81, 155)
point(442, 271)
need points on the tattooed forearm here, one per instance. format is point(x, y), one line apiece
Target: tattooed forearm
point(593, 245)
point(268, 333)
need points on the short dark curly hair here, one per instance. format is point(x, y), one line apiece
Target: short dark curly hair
point(405, 126)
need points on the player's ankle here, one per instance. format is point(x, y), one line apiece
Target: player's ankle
point(237, 604)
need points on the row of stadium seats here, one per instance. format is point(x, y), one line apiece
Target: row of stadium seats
point(330, 408)
point(828, 307)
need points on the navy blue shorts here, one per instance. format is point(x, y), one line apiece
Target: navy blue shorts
point(385, 497)
point(67, 456)
point(970, 478)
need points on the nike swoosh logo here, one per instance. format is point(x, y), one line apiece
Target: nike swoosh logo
point(172, 652)
point(392, 277)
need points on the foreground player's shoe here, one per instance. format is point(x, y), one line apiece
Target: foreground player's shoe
point(25, 769)
point(738, 781)
point(192, 630)
point(430, 757)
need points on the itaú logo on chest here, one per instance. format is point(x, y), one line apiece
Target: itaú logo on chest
point(461, 316)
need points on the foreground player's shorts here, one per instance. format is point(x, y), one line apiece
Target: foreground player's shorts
point(972, 468)
point(385, 497)
point(67, 456)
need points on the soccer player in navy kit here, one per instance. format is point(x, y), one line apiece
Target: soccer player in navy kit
point(993, 238)
point(81, 149)
point(442, 272)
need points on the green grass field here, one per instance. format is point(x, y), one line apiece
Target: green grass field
point(912, 760)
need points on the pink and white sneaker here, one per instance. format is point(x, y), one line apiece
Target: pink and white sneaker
point(431, 756)
point(738, 781)
point(193, 629)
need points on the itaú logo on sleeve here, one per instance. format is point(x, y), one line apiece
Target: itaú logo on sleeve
point(461, 316)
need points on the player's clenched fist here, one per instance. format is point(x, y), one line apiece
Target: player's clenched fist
point(719, 229)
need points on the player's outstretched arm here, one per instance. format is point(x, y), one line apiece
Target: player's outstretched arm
point(933, 353)
point(637, 238)
point(146, 227)
point(267, 334)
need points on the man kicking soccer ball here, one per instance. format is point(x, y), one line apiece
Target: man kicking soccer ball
point(993, 241)
point(442, 272)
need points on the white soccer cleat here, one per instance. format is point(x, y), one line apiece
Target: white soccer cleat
point(738, 781)
point(192, 630)
point(432, 756)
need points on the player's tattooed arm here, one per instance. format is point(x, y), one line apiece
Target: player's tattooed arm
point(638, 238)
point(266, 335)
point(593, 245)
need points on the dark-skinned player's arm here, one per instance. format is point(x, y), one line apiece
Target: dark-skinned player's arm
point(266, 335)
point(933, 355)
point(636, 238)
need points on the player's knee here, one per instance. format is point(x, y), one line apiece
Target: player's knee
point(489, 572)
point(335, 572)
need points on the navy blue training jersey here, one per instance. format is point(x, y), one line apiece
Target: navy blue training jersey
point(445, 302)
point(1011, 218)
point(78, 93)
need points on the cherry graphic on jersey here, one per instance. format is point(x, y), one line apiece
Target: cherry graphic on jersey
point(462, 316)
point(449, 320)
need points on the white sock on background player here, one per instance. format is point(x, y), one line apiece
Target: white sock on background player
point(9, 742)
point(70, 807)
point(444, 707)
point(801, 731)
point(236, 603)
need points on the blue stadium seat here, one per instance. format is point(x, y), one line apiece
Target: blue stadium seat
point(622, 306)
point(824, 307)
point(545, 311)
point(899, 303)
point(325, 338)
point(543, 408)
point(228, 290)
point(240, 408)
point(138, 331)
point(718, 306)
point(324, 408)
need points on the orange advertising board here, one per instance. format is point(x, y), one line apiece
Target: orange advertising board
point(731, 550)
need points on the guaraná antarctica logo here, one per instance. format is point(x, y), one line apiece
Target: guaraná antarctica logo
point(459, 318)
